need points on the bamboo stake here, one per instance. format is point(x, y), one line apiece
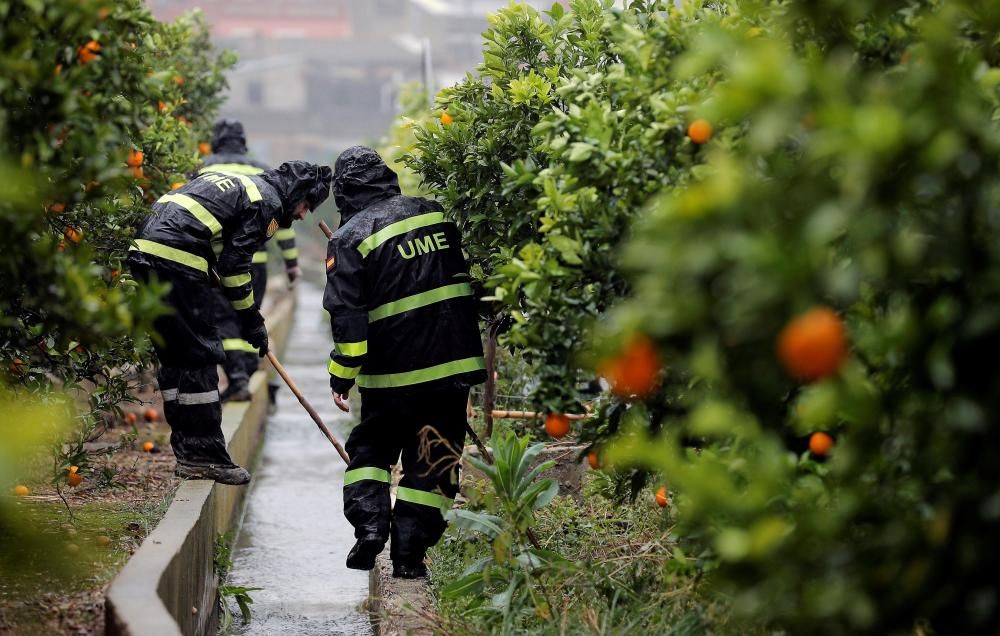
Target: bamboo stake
point(532, 415)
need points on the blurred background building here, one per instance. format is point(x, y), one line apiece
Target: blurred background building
point(316, 76)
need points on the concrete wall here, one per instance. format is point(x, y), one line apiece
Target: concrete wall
point(169, 586)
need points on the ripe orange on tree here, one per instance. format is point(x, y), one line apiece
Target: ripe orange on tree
point(820, 443)
point(57, 208)
point(137, 172)
point(179, 80)
point(21, 490)
point(813, 345)
point(15, 365)
point(594, 460)
point(204, 148)
point(557, 425)
point(447, 119)
point(135, 158)
point(161, 106)
point(131, 418)
point(661, 497)
point(73, 470)
point(636, 372)
point(88, 52)
point(72, 234)
point(700, 131)
point(74, 479)
point(103, 13)
point(151, 415)
point(148, 447)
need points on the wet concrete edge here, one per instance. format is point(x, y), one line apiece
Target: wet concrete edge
point(169, 587)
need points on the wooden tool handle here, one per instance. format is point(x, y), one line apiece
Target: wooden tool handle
point(326, 229)
point(308, 407)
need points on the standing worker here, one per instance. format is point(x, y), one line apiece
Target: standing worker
point(406, 331)
point(214, 222)
point(229, 155)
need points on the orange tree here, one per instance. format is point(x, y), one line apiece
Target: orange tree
point(101, 108)
point(833, 276)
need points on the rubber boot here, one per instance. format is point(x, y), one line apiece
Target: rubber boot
point(362, 555)
point(229, 475)
point(409, 570)
point(236, 393)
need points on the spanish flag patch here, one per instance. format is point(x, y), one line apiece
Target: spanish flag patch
point(330, 262)
point(272, 228)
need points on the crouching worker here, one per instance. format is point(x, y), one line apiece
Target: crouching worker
point(214, 222)
point(405, 330)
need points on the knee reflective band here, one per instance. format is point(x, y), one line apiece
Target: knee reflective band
point(352, 349)
point(238, 344)
point(392, 380)
point(236, 281)
point(375, 474)
point(191, 399)
point(233, 168)
point(244, 303)
point(196, 209)
point(170, 253)
point(422, 299)
point(339, 370)
point(169, 395)
point(399, 227)
point(424, 498)
point(290, 254)
point(260, 257)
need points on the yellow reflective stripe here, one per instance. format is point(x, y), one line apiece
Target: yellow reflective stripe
point(252, 192)
point(339, 370)
point(368, 472)
point(423, 498)
point(238, 344)
point(260, 257)
point(236, 281)
point(422, 299)
point(406, 378)
point(291, 253)
point(352, 349)
point(285, 233)
point(397, 228)
point(245, 303)
point(196, 209)
point(233, 168)
point(171, 254)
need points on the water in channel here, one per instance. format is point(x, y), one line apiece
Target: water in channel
point(294, 538)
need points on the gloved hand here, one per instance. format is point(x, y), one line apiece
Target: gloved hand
point(294, 274)
point(257, 336)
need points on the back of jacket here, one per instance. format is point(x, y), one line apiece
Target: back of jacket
point(398, 293)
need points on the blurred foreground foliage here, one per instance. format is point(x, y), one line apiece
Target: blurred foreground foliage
point(854, 165)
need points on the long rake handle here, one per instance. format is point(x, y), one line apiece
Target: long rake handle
point(308, 407)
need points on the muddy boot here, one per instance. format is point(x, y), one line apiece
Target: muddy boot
point(236, 393)
point(409, 570)
point(229, 475)
point(272, 402)
point(362, 555)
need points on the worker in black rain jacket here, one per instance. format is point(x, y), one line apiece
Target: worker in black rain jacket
point(405, 330)
point(229, 156)
point(212, 224)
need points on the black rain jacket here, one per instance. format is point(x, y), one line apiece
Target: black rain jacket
point(218, 220)
point(398, 292)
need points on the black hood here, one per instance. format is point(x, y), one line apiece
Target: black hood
point(297, 181)
point(361, 179)
point(228, 137)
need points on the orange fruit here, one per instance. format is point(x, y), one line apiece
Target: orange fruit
point(151, 415)
point(57, 70)
point(700, 131)
point(88, 52)
point(176, 185)
point(74, 479)
point(636, 372)
point(73, 470)
point(135, 158)
point(179, 80)
point(91, 185)
point(57, 208)
point(114, 274)
point(204, 148)
point(161, 106)
point(15, 365)
point(594, 460)
point(813, 345)
point(131, 418)
point(557, 425)
point(661, 497)
point(21, 490)
point(72, 234)
point(447, 119)
point(137, 172)
point(62, 246)
point(148, 446)
point(820, 443)
point(184, 120)
point(103, 13)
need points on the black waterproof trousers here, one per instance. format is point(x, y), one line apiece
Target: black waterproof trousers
point(188, 347)
point(242, 359)
point(431, 459)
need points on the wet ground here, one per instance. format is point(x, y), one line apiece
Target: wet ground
point(294, 538)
